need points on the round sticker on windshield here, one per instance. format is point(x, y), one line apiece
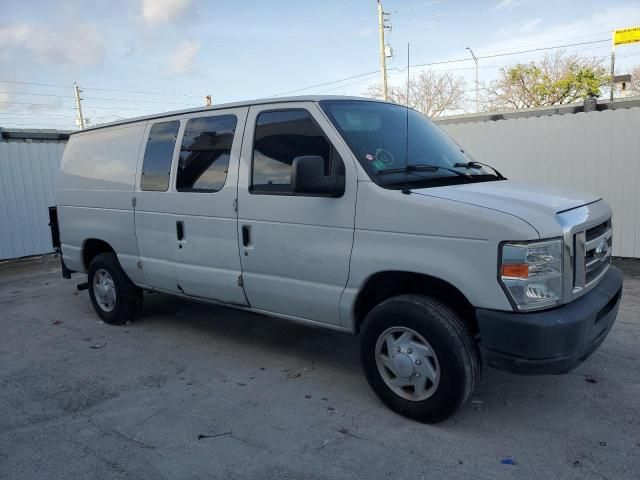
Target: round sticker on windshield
point(369, 157)
point(384, 156)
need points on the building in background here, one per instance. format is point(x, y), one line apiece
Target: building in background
point(29, 164)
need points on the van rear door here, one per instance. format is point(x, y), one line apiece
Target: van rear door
point(186, 218)
point(204, 204)
point(155, 225)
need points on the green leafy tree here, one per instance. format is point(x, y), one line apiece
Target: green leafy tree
point(555, 80)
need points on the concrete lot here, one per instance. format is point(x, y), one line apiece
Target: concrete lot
point(193, 391)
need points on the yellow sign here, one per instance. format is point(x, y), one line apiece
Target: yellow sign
point(626, 35)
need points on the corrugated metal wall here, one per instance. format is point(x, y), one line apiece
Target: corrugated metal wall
point(597, 152)
point(28, 172)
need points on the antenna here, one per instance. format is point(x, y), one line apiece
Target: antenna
point(408, 79)
point(406, 157)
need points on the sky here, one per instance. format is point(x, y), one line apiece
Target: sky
point(134, 57)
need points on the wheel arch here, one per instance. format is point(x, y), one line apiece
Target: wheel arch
point(93, 247)
point(386, 284)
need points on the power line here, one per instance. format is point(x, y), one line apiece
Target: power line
point(340, 80)
point(579, 27)
point(54, 85)
point(160, 102)
point(510, 53)
point(53, 105)
point(24, 120)
point(37, 94)
point(546, 43)
point(53, 115)
point(411, 7)
point(123, 108)
point(33, 83)
point(445, 14)
point(400, 71)
point(143, 93)
point(326, 83)
point(510, 64)
point(38, 104)
point(337, 7)
point(350, 84)
point(21, 114)
point(35, 125)
point(547, 48)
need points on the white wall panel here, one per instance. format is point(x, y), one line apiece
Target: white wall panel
point(28, 174)
point(597, 152)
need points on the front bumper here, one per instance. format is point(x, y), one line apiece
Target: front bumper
point(552, 341)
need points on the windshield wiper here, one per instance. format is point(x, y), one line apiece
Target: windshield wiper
point(424, 167)
point(478, 165)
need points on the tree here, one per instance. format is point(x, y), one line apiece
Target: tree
point(431, 93)
point(557, 79)
point(634, 86)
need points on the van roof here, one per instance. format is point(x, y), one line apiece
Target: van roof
point(222, 106)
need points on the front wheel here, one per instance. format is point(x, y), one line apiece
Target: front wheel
point(114, 296)
point(419, 358)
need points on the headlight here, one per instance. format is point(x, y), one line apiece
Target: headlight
point(532, 273)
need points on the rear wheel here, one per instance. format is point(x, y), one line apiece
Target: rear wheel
point(114, 296)
point(419, 358)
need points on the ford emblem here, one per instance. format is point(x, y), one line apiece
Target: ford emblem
point(602, 250)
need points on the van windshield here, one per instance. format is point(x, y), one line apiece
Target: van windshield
point(376, 132)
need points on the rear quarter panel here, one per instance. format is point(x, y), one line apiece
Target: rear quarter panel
point(95, 192)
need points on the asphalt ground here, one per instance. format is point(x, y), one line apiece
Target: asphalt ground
point(197, 392)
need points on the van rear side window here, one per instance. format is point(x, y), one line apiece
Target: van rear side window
point(204, 154)
point(156, 166)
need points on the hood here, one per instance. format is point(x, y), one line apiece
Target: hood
point(535, 204)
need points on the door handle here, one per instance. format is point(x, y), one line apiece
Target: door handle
point(246, 236)
point(180, 230)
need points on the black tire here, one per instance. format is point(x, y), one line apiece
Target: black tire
point(456, 351)
point(128, 297)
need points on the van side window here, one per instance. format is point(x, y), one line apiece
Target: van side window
point(280, 137)
point(156, 165)
point(204, 154)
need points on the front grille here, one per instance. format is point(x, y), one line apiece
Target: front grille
point(598, 230)
point(593, 266)
point(592, 249)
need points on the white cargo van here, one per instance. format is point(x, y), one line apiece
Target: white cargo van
point(352, 214)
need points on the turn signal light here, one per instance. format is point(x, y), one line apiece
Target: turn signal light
point(516, 270)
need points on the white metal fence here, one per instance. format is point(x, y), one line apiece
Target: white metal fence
point(28, 171)
point(596, 152)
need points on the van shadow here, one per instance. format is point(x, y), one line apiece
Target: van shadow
point(501, 397)
point(305, 342)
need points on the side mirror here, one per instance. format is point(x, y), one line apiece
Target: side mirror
point(307, 176)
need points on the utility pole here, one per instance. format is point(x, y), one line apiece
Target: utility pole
point(383, 53)
point(622, 36)
point(475, 59)
point(80, 118)
point(612, 85)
